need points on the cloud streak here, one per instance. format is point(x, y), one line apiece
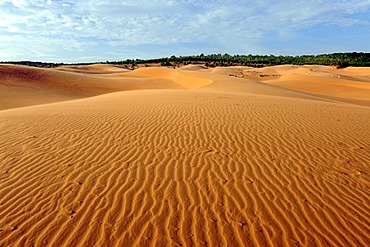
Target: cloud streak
point(69, 30)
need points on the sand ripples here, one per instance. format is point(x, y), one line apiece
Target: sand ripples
point(163, 168)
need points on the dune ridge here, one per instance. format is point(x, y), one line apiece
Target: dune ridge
point(224, 162)
point(182, 76)
point(350, 85)
point(24, 86)
point(94, 69)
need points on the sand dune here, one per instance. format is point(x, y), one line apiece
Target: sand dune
point(24, 86)
point(346, 85)
point(197, 158)
point(181, 77)
point(192, 67)
point(94, 69)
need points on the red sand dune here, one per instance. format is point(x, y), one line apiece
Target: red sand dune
point(186, 157)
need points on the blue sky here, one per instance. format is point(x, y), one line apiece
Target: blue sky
point(90, 30)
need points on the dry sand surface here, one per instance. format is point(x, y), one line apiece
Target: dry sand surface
point(101, 156)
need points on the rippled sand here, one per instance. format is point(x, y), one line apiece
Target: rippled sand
point(100, 156)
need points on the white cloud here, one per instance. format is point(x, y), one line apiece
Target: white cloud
point(57, 26)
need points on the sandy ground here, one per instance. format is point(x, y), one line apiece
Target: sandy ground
point(101, 156)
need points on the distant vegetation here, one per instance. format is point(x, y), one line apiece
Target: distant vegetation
point(340, 60)
point(214, 60)
point(34, 64)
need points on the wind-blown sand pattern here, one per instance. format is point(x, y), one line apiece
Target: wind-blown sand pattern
point(216, 161)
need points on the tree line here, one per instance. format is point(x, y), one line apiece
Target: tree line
point(341, 60)
point(358, 59)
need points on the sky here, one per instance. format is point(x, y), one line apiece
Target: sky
point(112, 30)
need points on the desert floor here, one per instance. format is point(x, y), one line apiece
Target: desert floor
point(102, 156)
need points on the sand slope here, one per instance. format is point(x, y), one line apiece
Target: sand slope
point(230, 162)
point(351, 85)
point(24, 86)
point(181, 76)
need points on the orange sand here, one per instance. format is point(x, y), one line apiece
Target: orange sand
point(160, 157)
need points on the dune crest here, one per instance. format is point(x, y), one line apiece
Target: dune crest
point(350, 85)
point(94, 69)
point(22, 86)
point(181, 76)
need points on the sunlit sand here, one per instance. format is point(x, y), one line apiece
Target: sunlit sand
point(104, 156)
